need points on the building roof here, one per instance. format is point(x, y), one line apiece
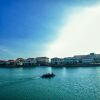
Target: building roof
point(2, 60)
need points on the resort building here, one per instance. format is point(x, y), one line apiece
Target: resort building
point(71, 60)
point(30, 61)
point(42, 61)
point(56, 61)
point(97, 58)
point(90, 58)
point(19, 61)
point(2, 62)
point(11, 62)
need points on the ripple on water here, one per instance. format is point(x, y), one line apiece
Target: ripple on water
point(74, 84)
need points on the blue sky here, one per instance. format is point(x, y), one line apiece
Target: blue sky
point(27, 27)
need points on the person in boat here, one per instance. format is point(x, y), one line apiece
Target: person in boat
point(48, 75)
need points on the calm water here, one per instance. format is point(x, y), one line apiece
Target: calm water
point(69, 84)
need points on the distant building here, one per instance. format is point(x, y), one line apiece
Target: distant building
point(87, 60)
point(71, 60)
point(11, 62)
point(56, 61)
point(30, 61)
point(42, 60)
point(90, 58)
point(2, 62)
point(80, 56)
point(19, 61)
point(96, 57)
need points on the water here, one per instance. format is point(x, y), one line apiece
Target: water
point(79, 83)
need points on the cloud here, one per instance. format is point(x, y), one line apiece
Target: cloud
point(79, 35)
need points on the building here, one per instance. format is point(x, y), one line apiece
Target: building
point(2, 62)
point(70, 60)
point(42, 61)
point(90, 58)
point(87, 61)
point(56, 61)
point(11, 62)
point(80, 56)
point(19, 61)
point(30, 61)
point(96, 58)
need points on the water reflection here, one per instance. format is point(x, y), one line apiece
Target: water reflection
point(64, 72)
point(49, 70)
point(69, 84)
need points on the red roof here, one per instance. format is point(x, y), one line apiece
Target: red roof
point(11, 60)
point(2, 60)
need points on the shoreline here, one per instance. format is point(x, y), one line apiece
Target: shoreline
point(67, 65)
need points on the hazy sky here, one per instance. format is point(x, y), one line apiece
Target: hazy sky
point(31, 28)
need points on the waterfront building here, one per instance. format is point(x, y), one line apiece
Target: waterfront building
point(71, 60)
point(90, 58)
point(11, 62)
point(42, 61)
point(56, 61)
point(2, 62)
point(19, 61)
point(30, 61)
point(96, 58)
point(80, 56)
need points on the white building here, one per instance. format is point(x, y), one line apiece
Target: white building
point(30, 61)
point(90, 58)
point(19, 61)
point(57, 61)
point(71, 60)
point(42, 60)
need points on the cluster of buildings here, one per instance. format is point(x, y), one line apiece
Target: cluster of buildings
point(78, 60)
point(39, 61)
point(90, 59)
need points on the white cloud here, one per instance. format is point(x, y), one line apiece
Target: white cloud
point(79, 35)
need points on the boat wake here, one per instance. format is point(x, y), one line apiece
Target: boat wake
point(17, 81)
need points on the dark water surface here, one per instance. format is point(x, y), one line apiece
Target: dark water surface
point(79, 83)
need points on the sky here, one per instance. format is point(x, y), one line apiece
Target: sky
point(52, 28)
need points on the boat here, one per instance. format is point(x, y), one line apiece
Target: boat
point(48, 75)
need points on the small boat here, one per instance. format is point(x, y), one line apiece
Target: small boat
point(48, 75)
